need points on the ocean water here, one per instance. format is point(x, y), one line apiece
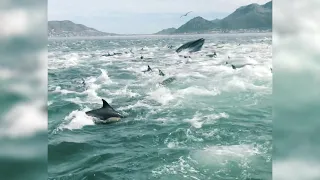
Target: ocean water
point(23, 89)
point(296, 105)
point(212, 122)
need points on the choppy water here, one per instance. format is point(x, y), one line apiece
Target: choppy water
point(23, 89)
point(213, 122)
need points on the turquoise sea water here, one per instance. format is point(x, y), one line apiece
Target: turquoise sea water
point(212, 122)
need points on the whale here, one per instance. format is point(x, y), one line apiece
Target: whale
point(108, 55)
point(192, 46)
point(168, 81)
point(106, 113)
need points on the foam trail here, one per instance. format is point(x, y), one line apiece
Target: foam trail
point(77, 119)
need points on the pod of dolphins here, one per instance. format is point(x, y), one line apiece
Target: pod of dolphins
point(107, 114)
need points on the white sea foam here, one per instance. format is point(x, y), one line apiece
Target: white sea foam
point(103, 78)
point(162, 95)
point(181, 166)
point(199, 119)
point(220, 155)
point(77, 119)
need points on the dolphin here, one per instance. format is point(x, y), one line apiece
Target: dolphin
point(240, 66)
point(161, 73)
point(107, 55)
point(149, 69)
point(106, 113)
point(193, 46)
point(212, 55)
point(84, 83)
point(185, 56)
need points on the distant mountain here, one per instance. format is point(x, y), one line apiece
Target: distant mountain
point(216, 20)
point(167, 31)
point(197, 24)
point(268, 5)
point(68, 28)
point(253, 16)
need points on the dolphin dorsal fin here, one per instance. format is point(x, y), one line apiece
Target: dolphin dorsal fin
point(105, 104)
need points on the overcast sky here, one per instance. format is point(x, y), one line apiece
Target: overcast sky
point(140, 16)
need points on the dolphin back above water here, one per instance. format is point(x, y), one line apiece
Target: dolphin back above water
point(193, 46)
point(105, 113)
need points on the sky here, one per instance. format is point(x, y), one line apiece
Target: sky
point(140, 16)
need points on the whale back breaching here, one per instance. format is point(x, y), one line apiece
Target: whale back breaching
point(168, 81)
point(192, 46)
